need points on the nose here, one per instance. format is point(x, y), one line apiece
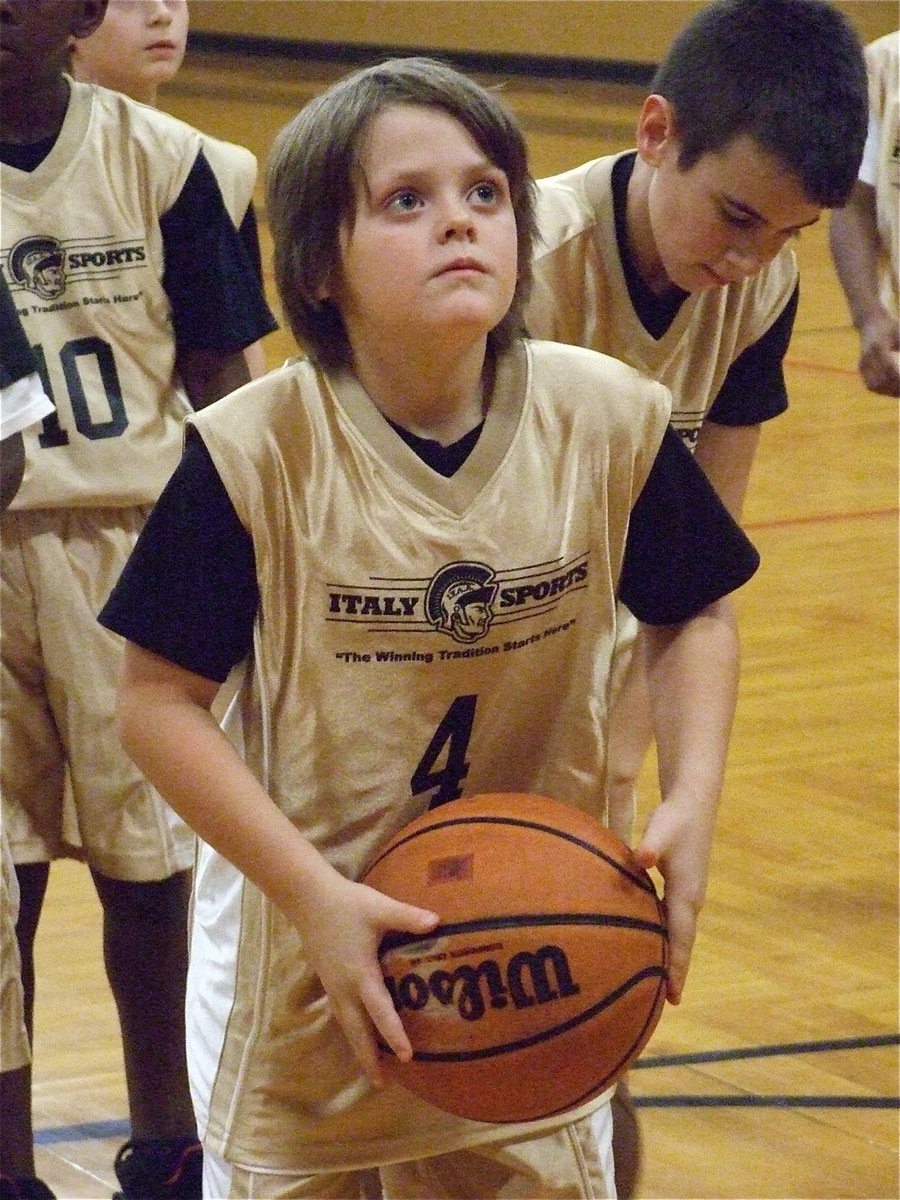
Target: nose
point(159, 12)
point(456, 221)
point(745, 260)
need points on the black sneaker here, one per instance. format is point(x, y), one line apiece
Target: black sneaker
point(167, 1169)
point(25, 1187)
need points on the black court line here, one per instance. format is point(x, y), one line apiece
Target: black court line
point(707, 1056)
point(83, 1132)
point(122, 1129)
point(766, 1101)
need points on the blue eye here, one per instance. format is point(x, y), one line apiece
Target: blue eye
point(486, 193)
point(405, 201)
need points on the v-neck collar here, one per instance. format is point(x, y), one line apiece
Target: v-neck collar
point(458, 492)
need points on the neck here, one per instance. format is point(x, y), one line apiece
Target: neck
point(442, 401)
point(144, 91)
point(35, 113)
point(641, 242)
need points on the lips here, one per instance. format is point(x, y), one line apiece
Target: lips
point(716, 278)
point(462, 264)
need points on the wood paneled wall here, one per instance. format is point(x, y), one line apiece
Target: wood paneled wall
point(633, 31)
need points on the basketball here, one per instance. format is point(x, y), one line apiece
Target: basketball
point(547, 973)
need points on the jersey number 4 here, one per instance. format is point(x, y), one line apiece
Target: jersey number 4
point(449, 746)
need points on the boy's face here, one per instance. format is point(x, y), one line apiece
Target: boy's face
point(140, 44)
point(34, 37)
point(723, 219)
point(432, 250)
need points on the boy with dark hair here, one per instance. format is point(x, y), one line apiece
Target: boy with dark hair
point(145, 297)
point(311, 518)
point(676, 257)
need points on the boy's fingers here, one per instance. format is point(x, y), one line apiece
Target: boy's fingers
point(682, 923)
point(354, 1020)
point(387, 1023)
point(408, 918)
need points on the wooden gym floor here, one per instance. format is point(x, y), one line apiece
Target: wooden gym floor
point(778, 1075)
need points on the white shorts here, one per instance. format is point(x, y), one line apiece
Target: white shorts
point(60, 670)
point(570, 1163)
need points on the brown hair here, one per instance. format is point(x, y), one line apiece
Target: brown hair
point(311, 192)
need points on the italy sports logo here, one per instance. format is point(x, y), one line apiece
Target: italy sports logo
point(463, 600)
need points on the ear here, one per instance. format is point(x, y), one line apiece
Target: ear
point(90, 15)
point(656, 131)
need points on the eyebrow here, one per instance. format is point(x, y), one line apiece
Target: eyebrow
point(749, 211)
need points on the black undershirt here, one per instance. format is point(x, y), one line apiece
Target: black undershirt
point(189, 592)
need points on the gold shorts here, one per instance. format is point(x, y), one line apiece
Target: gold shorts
point(565, 1164)
point(60, 671)
point(14, 1049)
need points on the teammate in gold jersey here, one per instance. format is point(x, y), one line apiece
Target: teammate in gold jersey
point(140, 45)
point(676, 258)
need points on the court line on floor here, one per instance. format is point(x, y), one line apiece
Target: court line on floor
point(822, 518)
point(777, 1048)
point(766, 1101)
point(82, 1132)
point(753, 1101)
point(87, 1130)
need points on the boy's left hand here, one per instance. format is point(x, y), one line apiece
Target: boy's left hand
point(676, 844)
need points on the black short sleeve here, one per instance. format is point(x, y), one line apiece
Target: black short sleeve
point(213, 286)
point(684, 549)
point(17, 358)
point(754, 389)
point(189, 590)
point(249, 231)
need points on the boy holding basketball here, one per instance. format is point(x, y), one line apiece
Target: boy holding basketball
point(413, 540)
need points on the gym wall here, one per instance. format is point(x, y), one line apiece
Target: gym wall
point(619, 33)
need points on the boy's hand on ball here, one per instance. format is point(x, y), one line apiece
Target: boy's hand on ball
point(342, 939)
point(675, 843)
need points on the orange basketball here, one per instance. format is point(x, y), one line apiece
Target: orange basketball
point(547, 974)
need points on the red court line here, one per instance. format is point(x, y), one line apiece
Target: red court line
point(802, 365)
point(823, 518)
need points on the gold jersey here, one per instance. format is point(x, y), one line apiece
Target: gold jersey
point(82, 251)
point(418, 638)
point(580, 296)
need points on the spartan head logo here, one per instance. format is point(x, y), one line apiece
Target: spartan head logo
point(459, 599)
point(37, 264)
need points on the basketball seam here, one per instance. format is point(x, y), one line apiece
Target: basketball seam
point(395, 941)
point(641, 881)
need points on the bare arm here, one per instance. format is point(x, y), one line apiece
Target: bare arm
point(208, 375)
point(255, 358)
point(726, 454)
point(12, 468)
point(692, 671)
point(167, 728)
point(855, 247)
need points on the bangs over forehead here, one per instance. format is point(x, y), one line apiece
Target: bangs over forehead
point(314, 166)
